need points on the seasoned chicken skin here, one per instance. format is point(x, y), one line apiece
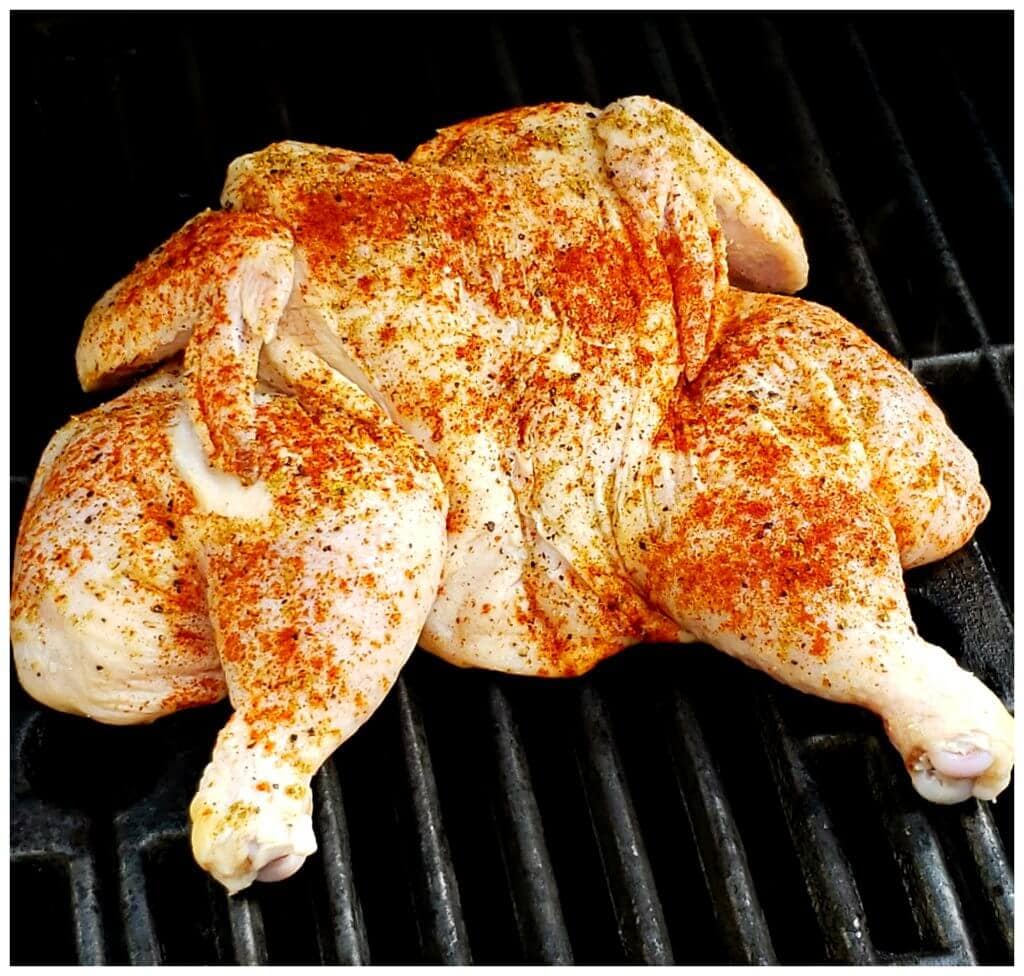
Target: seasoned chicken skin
point(923, 476)
point(108, 615)
point(525, 323)
point(147, 581)
point(770, 517)
point(535, 313)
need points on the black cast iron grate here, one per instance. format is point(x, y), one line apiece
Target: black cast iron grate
point(671, 806)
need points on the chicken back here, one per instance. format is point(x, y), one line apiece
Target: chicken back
point(508, 399)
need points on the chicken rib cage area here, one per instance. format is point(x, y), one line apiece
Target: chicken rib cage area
point(672, 805)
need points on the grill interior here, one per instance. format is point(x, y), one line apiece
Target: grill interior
point(672, 805)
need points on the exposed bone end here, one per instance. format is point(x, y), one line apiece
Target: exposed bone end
point(951, 775)
point(281, 868)
point(956, 736)
point(241, 842)
point(936, 788)
point(252, 814)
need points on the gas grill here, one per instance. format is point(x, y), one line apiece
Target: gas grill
point(672, 806)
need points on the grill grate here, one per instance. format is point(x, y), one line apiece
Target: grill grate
point(672, 806)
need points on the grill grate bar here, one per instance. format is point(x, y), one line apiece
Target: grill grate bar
point(506, 67)
point(930, 891)
point(962, 586)
point(1001, 370)
point(719, 845)
point(112, 66)
point(695, 56)
point(584, 64)
point(193, 76)
point(643, 932)
point(348, 929)
point(952, 275)
point(157, 819)
point(826, 196)
point(977, 128)
point(993, 871)
point(86, 914)
point(827, 873)
point(939, 362)
point(444, 938)
point(535, 899)
point(85, 908)
point(920, 959)
point(662, 63)
point(247, 938)
point(139, 925)
point(1002, 362)
point(934, 368)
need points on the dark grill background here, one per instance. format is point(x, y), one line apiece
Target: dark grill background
point(672, 805)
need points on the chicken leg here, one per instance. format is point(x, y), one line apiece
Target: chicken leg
point(292, 566)
point(315, 609)
point(763, 524)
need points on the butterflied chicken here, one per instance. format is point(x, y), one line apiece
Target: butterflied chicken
point(505, 398)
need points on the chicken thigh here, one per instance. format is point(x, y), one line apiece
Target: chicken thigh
point(535, 313)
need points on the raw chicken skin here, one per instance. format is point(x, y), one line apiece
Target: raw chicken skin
point(630, 449)
point(108, 616)
point(146, 581)
point(763, 522)
point(923, 476)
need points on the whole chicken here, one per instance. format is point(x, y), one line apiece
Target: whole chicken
point(506, 399)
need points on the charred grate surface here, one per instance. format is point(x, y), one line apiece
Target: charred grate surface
point(672, 806)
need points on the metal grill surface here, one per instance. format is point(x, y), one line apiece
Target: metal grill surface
point(671, 806)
